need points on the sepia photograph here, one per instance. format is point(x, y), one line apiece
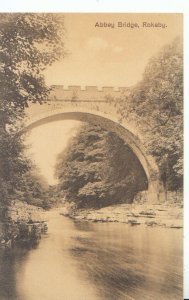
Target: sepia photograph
point(91, 156)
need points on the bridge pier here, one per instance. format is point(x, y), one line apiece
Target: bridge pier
point(156, 192)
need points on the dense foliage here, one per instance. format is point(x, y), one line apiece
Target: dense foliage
point(33, 188)
point(28, 44)
point(99, 169)
point(155, 105)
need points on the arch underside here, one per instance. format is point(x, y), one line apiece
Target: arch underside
point(148, 164)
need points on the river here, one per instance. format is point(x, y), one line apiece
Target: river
point(95, 261)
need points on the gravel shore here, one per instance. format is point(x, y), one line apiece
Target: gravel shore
point(165, 215)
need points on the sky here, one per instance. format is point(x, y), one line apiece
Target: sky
point(101, 56)
point(106, 56)
point(46, 142)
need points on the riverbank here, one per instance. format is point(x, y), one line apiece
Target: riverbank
point(168, 215)
point(22, 211)
point(22, 223)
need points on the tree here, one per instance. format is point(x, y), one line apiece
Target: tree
point(98, 169)
point(155, 105)
point(13, 164)
point(28, 44)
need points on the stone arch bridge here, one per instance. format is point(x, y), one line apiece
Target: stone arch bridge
point(94, 105)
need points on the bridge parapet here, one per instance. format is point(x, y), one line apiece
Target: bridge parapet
point(88, 93)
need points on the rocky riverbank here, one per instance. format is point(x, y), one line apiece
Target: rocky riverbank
point(168, 215)
point(23, 223)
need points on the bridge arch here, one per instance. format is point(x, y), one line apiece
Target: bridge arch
point(110, 123)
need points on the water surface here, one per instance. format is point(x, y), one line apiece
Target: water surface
point(95, 261)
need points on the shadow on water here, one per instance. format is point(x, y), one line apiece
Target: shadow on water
point(114, 278)
point(129, 263)
point(7, 275)
point(10, 261)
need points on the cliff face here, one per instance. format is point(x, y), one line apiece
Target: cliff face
point(21, 211)
point(22, 224)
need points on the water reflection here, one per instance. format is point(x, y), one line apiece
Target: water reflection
point(50, 273)
point(132, 263)
point(7, 276)
point(10, 260)
point(80, 260)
